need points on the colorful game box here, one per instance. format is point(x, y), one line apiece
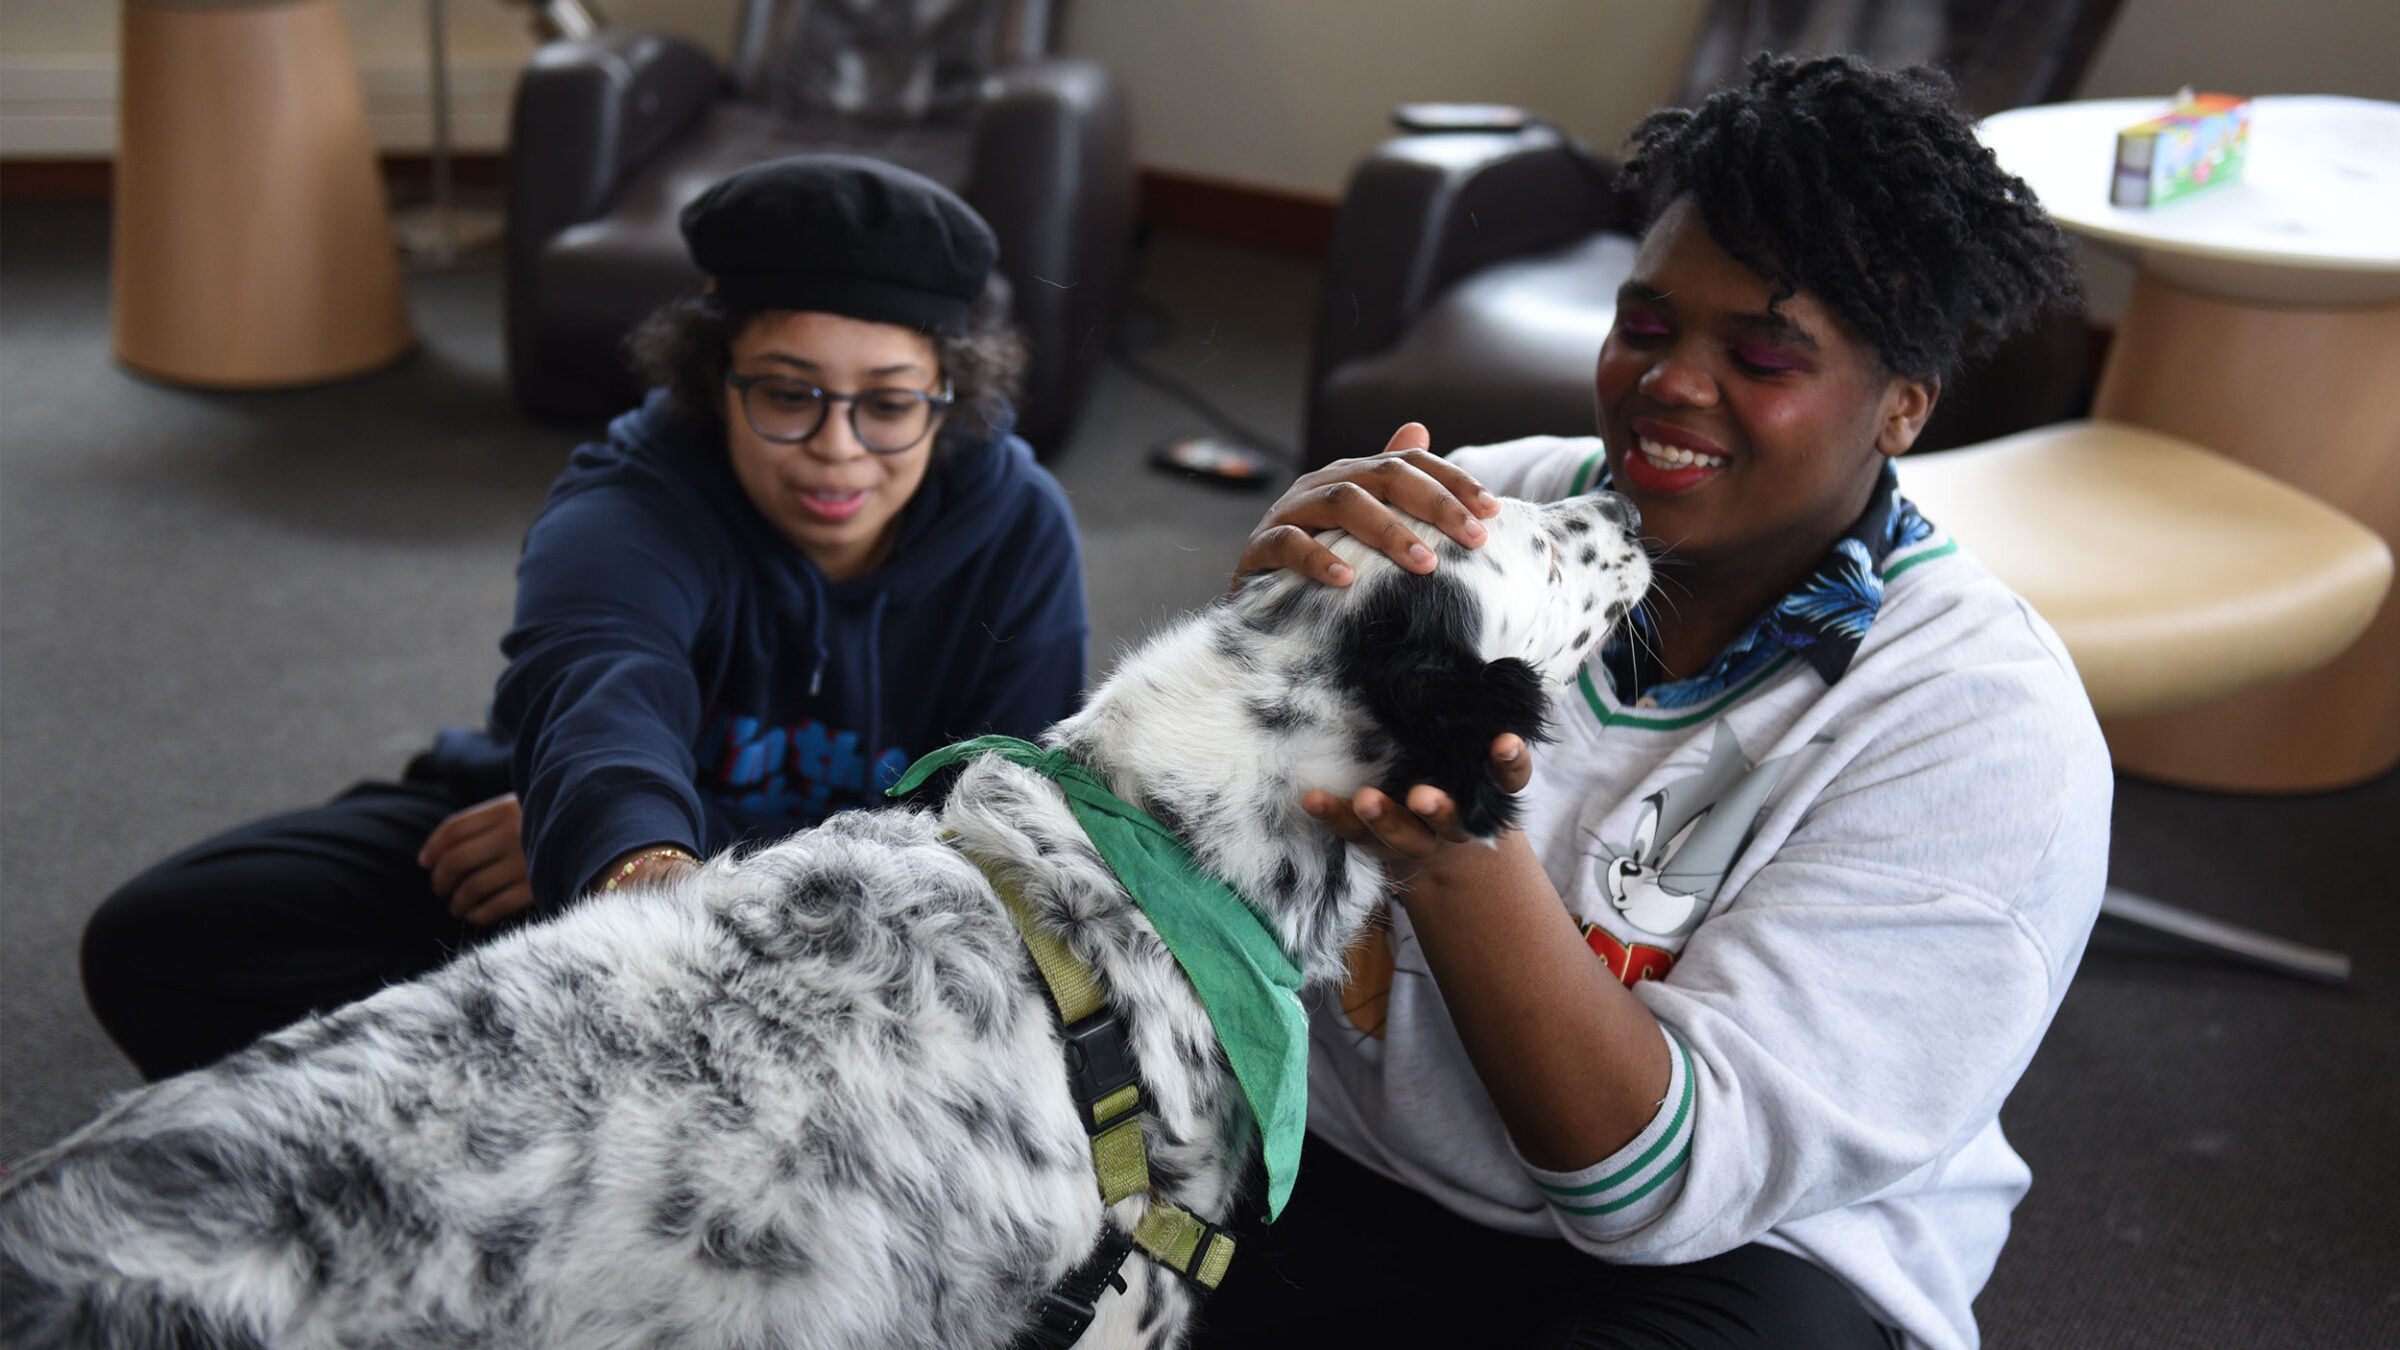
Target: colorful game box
point(2198, 144)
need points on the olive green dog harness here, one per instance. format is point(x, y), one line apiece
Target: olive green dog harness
point(1234, 955)
point(1249, 987)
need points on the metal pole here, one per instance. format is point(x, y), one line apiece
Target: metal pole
point(438, 39)
point(2225, 939)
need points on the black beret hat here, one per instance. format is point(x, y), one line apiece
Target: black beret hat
point(841, 235)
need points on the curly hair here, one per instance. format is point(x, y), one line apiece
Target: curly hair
point(686, 347)
point(1868, 189)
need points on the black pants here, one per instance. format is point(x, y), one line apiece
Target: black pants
point(1358, 1260)
point(262, 925)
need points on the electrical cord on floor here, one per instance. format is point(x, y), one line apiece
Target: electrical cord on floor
point(1146, 325)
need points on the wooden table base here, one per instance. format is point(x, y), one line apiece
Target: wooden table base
point(253, 244)
point(2312, 397)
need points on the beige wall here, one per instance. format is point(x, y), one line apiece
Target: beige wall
point(58, 67)
point(85, 27)
point(2251, 47)
point(1287, 93)
point(1280, 93)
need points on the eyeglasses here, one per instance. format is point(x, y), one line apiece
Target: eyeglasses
point(886, 421)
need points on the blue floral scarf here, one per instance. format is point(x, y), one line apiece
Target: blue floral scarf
point(1822, 620)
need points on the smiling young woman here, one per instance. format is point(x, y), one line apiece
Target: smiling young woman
point(1750, 429)
point(812, 554)
point(1710, 1050)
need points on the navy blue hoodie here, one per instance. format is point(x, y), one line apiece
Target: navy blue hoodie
point(681, 673)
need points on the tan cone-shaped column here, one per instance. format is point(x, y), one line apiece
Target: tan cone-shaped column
point(253, 242)
point(2310, 396)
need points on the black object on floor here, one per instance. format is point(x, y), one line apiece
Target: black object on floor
point(1213, 459)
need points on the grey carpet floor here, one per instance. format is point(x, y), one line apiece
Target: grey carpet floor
point(217, 606)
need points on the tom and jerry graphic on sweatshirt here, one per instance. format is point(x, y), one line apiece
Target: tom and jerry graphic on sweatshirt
point(1663, 877)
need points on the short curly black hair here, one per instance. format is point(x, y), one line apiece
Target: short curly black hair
point(686, 347)
point(1868, 189)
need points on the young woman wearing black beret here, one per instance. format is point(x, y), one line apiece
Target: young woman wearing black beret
point(812, 554)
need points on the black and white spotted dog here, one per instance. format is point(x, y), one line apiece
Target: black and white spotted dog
point(814, 1095)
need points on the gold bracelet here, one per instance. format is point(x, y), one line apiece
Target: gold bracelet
point(634, 863)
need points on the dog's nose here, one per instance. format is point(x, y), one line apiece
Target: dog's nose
point(1619, 512)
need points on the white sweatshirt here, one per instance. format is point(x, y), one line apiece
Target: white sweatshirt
point(1853, 907)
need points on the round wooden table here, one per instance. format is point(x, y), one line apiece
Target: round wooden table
point(2264, 324)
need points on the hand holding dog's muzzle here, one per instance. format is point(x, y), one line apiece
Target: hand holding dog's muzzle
point(1406, 834)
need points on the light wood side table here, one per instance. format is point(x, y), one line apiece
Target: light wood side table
point(2264, 324)
point(252, 239)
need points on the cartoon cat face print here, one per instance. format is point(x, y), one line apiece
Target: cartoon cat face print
point(1666, 876)
point(1634, 880)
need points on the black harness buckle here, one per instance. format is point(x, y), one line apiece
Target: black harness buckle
point(1067, 1309)
point(1099, 1063)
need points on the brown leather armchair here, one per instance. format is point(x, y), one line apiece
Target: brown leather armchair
point(613, 133)
point(1473, 274)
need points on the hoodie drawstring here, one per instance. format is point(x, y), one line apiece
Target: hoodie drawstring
point(816, 605)
point(874, 742)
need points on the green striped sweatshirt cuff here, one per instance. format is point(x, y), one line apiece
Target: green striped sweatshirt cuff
point(1627, 1189)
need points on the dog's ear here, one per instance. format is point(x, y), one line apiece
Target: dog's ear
point(1408, 650)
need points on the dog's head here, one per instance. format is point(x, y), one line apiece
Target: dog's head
point(1445, 662)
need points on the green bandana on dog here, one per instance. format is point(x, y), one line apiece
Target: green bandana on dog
point(1249, 987)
